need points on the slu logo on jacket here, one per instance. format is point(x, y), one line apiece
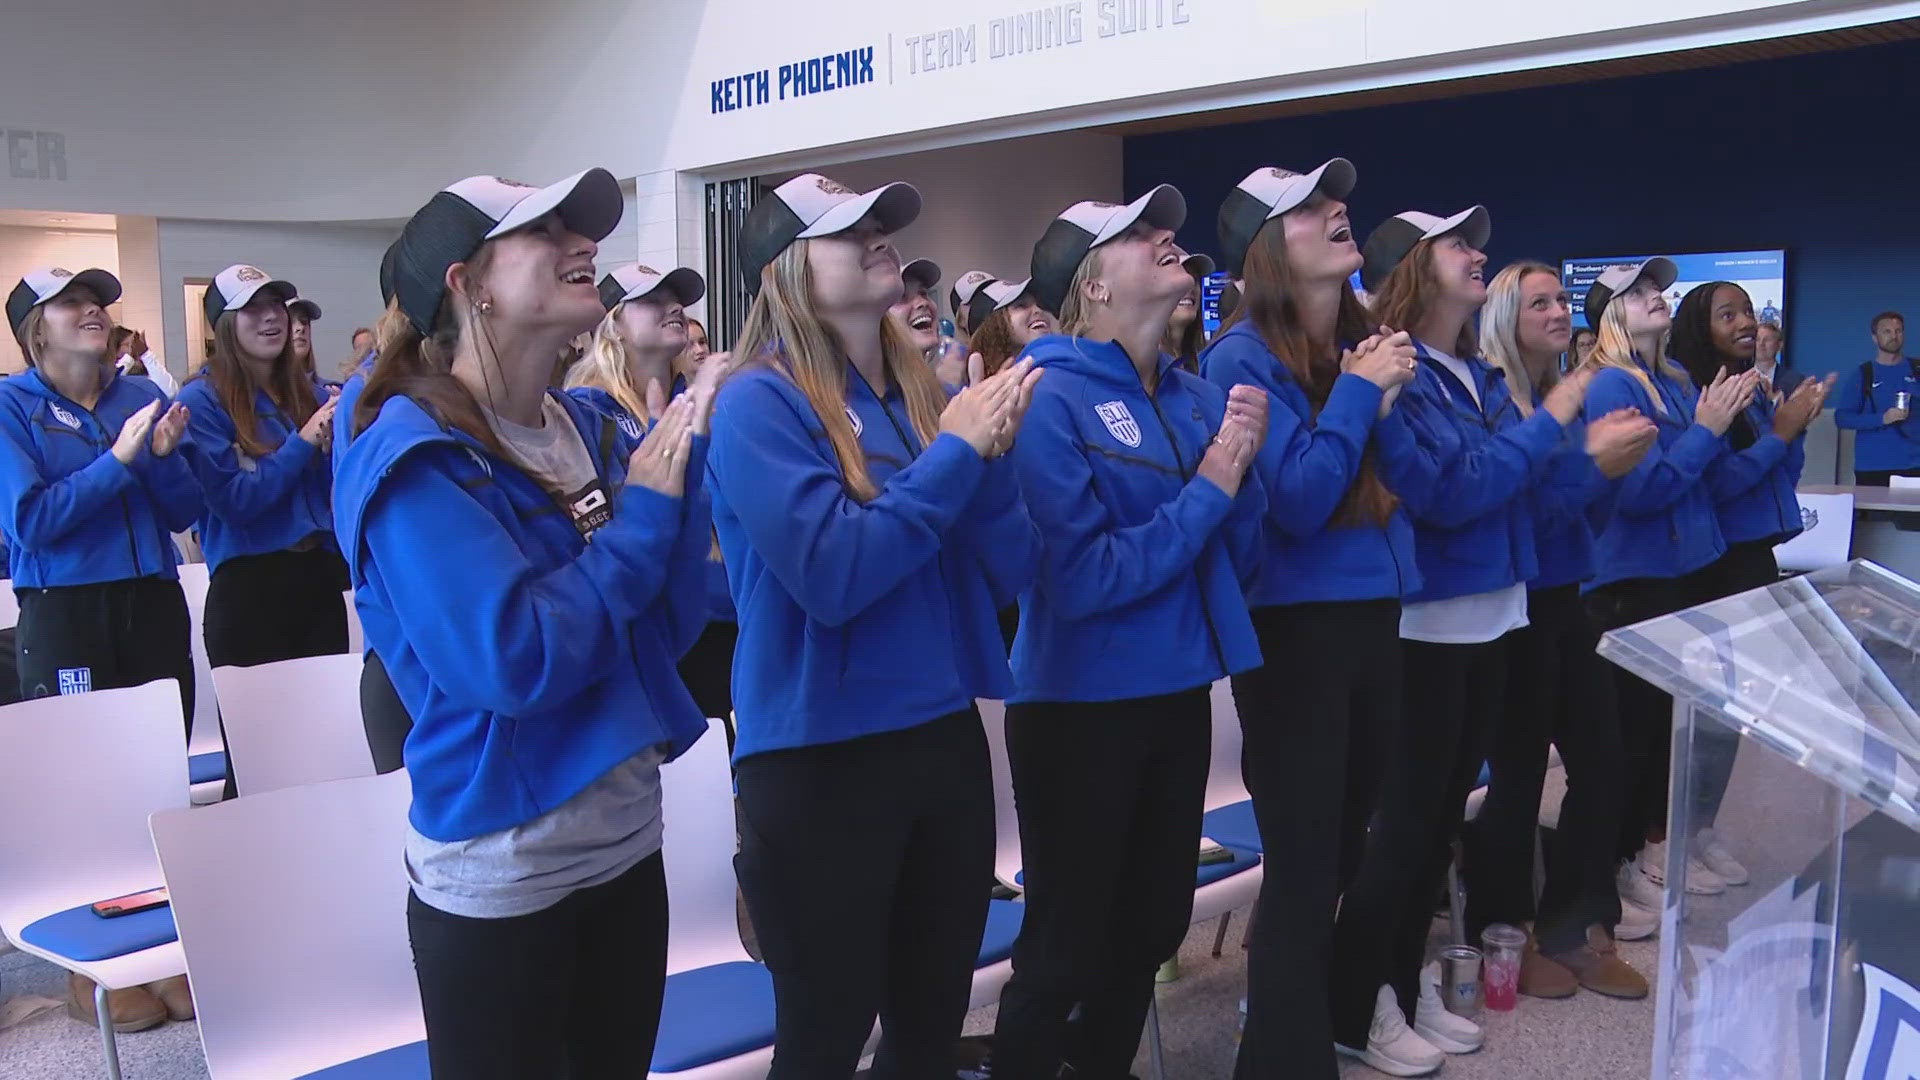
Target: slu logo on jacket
point(1119, 422)
point(65, 417)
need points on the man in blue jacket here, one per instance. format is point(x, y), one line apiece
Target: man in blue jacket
point(1875, 400)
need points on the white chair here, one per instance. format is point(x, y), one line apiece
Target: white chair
point(1903, 481)
point(717, 1020)
point(1006, 819)
point(294, 722)
point(9, 607)
point(292, 913)
point(206, 752)
point(356, 636)
point(79, 774)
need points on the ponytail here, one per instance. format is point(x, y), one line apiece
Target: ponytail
point(421, 368)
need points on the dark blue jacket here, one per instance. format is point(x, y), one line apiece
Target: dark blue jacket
point(1663, 523)
point(255, 506)
point(531, 660)
point(1466, 472)
point(1880, 446)
point(1144, 564)
point(72, 514)
point(1753, 488)
point(1307, 466)
point(858, 618)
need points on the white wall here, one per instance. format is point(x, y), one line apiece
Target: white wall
point(141, 306)
point(335, 266)
point(24, 249)
point(982, 207)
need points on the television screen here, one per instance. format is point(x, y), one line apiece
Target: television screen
point(1762, 273)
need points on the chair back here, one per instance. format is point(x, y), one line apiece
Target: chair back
point(206, 710)
point(1006, 820)
point(701, 837)
point(1226, 782)
point(294, 722)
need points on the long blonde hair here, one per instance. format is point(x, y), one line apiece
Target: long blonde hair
point(1500, 332)
point(1075, 316)
point(1615, 349)
point(782, 329)
point(604, 365)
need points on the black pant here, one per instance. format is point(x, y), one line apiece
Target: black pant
point(862, 863)
point(1452, 698)
point(1558, 690)
point(114, 634)
point(1747, 565)
point(707, 669)
point(1110, 796)
point(384, 715)
point(1646, 712)
point(571, 991)
point(1316, 717)
point(1878, 477)
point(278, 606)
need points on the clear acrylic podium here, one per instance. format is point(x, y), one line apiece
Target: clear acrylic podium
point(1806, 689)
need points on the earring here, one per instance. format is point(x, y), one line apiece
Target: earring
point(485, 307)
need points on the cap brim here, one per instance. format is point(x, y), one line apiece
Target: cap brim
point(105, 286)
point(687, 287)
point(894, 206)
point(924, 271)
point(245, 296)
point(1198, 265)
point(1334, 179)
point(589, 203)
point(311, 309)
point(1474, 225)
point(1163, 208)
point(1661, 270)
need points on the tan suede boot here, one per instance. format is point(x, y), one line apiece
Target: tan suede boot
point(176, 995)
point(1599, 968)
point(133, 1009)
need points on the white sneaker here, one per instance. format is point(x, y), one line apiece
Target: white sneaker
point(1708, 848)
point(1392, 1047)
point(1700, 880)
point(1636, 888)
point(1636, 923)
point(1432, 1022)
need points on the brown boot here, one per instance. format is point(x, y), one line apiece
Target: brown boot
point(1599, 968)
point(132, 1010)
point(1541, 977)
point(176, 995)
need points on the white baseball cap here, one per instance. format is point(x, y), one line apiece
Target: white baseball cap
point(1615, 280)
point(633, 281)
point(812, 205)
point(235, 287)
point(1086, 225)
point(47, 282)
point(1397, 235)
point(1268, 192)
point(984, 297)
point(922, 272)
point(464, 215)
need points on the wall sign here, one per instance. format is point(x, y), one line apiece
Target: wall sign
point(36, 155)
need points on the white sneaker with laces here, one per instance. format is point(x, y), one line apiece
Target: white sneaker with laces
point(1636, 888)
point(1636, 923)
point(1392, 1047)
point(1432, 1022)
point(1700, 880)
point(1709, 849)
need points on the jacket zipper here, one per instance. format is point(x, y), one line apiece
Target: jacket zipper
point(126, 511)
point(1180, 463)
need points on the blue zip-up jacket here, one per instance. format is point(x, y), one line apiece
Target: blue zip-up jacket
point(1880, 446)
point(255, 506)
point(73, 515)
point(719, 600)
point(1144, 564)
point(1465, 473)
point(531, 660)
point(1306, 467)
point(1571, 501)
point(1663, 523)
point(1753, 488)
point(858, 618)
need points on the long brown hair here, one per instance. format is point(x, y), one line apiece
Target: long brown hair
point(993, 340)
point(1185, 346)
point(421, 368)
point(287, 386)
point(1268, 289)
point(1409, 293)
point(782, 329)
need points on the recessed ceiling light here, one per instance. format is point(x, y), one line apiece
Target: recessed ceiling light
point(58, 220)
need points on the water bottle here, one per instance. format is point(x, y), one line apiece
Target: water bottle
point(946, 339)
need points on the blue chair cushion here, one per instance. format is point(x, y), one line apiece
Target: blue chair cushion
point(206, 768)
point(1206, 875)
point(78, 934)
point(714, 1013)
point(1243, 860)
point(1003, 927)
point(407, 1062)
point(1233, 826)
